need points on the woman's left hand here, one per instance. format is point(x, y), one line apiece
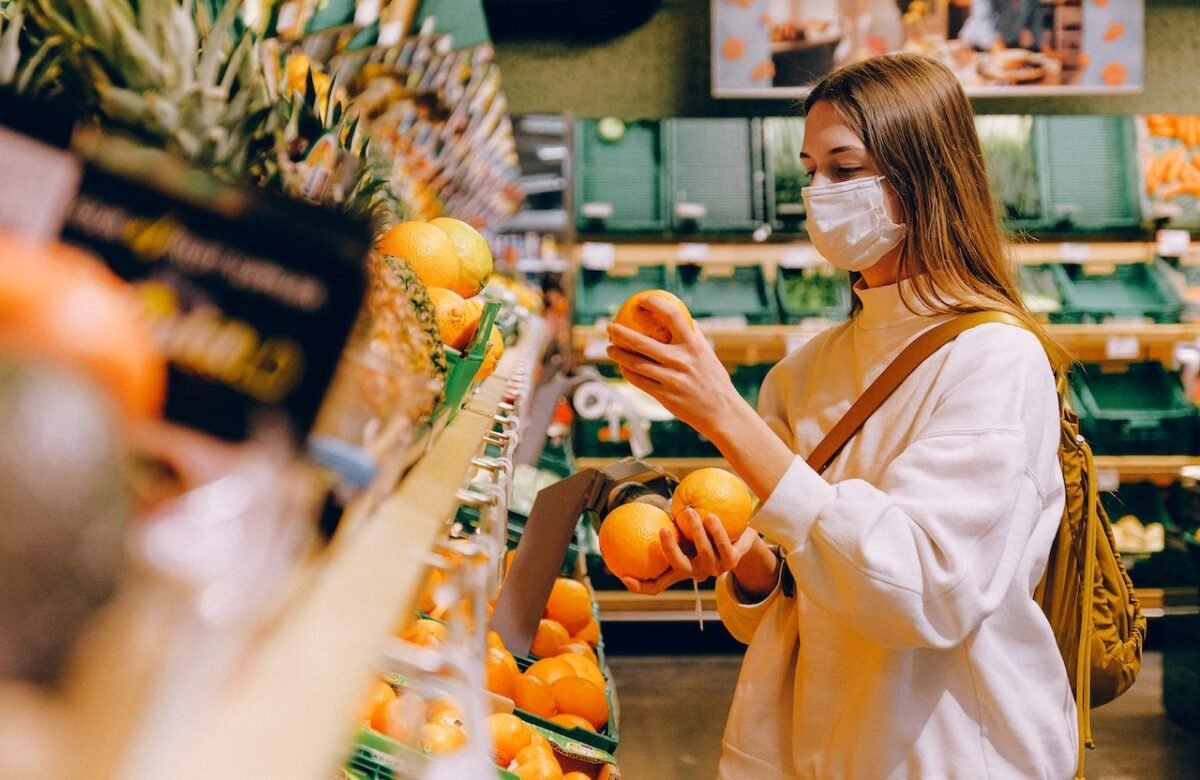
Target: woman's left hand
point(685, 375)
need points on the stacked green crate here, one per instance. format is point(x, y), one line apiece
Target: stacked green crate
point(714, 175)
point(821, 293)
point(1137, 291)
point(599, 294)
point(1133, 408)
point(734, 292)
point(785, 174)
point(1008, 150)
point(1090, 177)
point(618, 177)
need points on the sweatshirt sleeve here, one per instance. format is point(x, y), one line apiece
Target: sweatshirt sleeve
point(921, 558)
point(740, 619)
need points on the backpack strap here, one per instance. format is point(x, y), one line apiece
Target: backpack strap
point(897, 371)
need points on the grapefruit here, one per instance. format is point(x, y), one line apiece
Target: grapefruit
point(634, 314)
point(474, 257)
point(426, 248)
point(629, 541)
point(717, 492)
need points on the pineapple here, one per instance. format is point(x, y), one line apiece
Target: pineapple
point(397, 323)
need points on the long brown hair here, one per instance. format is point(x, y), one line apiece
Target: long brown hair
point(916, 123)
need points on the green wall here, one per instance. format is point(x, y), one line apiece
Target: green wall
point(662, 69)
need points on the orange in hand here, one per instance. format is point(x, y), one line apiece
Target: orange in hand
point(634, 314)
point(630, 544)
point(717, 492)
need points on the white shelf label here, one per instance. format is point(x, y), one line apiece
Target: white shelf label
point(1122, 348)
point(1108, 480)
point(801, 257)
point(390, 33)
point(597, 210)
point(1174, 243)
point(366, 12)
point(691, 210)
point(41, 183)
point(596, 348)
point(1076, 253)
point(599, 257)
point(694, 253)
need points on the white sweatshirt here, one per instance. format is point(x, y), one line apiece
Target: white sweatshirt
point(912, 647)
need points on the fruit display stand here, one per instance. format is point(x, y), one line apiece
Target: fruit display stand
point(330, 635)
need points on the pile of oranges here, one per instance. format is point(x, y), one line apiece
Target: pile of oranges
point(433, 725)
point(630, 540)
point(525, 751)
point(453, 261)
point(565, 685)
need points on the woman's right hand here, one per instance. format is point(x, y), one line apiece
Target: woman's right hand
point(715, 553)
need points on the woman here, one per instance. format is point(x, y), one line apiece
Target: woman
point(910, 645)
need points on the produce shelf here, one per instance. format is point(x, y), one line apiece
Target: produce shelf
point(770, 343)
point(331, 633)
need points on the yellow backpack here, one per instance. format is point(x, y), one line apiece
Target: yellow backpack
point(1086, 593)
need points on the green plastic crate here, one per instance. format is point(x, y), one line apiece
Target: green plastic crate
point(598, 294)
point(1170, 567)
point(784, 173)
point(463, 368)
point(739, 292)
point(1038, 285)
point(378, 757)
point(1131, 291)
point(1009, 151)
point(1134, 408)
point(1089, 172)
point(808, 293)
point(618, 182)
point(714, 176)
point(606, 739)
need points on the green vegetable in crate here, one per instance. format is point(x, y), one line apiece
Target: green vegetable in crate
point(1007, 143)
point(811, 291)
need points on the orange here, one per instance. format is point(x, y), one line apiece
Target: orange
point(442, 738)
point(550, 636)
point(536, 738)
point(474, 256)
point(550, 669)
point(717, 492)
point(590, 634)
point(427, 249)
point(579, 647)
point(634, 314)
point(508, 560)
point(491, 358)
point(380, 694)
point(576, 776)
point(540, 768)
point(569, 604)
point(494, 640)
point(425, 632)
point(456, 322)
point(402, 718)
point(509, 735)
point(585, 669)
point(629, 541)
point(577, 696)
point(533, 695)
point(571, 721)
point(532, 752)
point(501, 675)
point(444, 710)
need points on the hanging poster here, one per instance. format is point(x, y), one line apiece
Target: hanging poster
point(780, 48)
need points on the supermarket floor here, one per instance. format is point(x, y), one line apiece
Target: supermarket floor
point(673, 711)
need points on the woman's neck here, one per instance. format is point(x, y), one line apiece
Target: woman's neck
point(884, 272)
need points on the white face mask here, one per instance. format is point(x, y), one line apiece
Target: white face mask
point(849, 223)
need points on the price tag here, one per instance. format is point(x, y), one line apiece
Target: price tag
point(390, 34)
point(595, 348)
point(599, 257)
point(1122, 348)
point(366, 12)
point(1108, 480)
point(801, 257)
point(693, 253)
point(1173, 243)
point(1076, 253)
point(596, 210)
point(43, 181)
